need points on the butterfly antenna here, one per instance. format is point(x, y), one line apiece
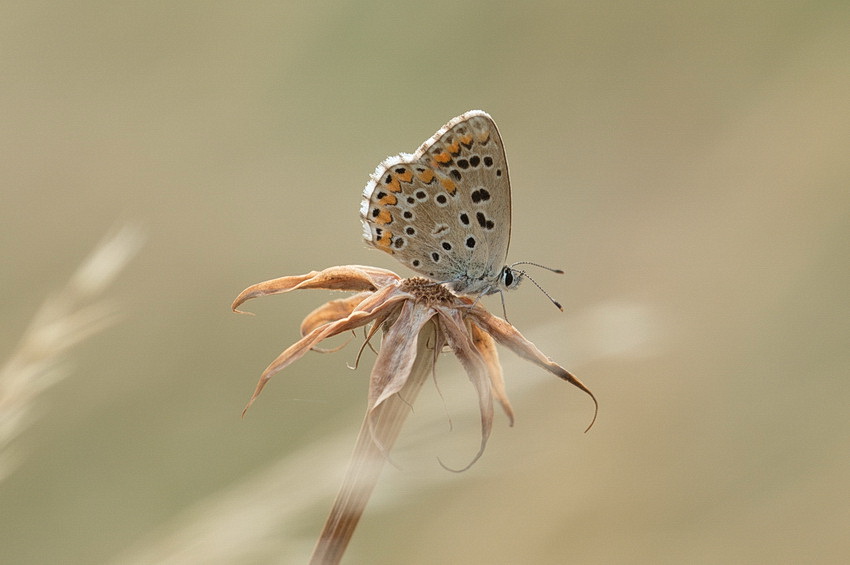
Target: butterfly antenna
point(543, 290)
point(550, 269)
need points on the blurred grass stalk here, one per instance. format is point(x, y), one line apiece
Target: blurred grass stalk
point(65, 319)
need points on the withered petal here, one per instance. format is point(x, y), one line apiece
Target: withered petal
point(351, 278)
point(377, 307)
point(461, 344)
point(486, 347)
point(398, 350)
point(331, 311)
point(510, 337)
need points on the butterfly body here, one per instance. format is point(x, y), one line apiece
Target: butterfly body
point(445, 210)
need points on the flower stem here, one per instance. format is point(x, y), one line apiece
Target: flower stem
point(377, 435)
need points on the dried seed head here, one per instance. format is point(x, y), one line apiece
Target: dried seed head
point(428, 291)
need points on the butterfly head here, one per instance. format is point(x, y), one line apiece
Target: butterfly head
point(490, 282)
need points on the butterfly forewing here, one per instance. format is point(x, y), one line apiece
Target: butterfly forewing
point(445, 211)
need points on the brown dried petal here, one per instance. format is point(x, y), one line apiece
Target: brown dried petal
point(352, 278)
point(398, 350)
point(510, 337)
point(461, 344)
point(332, 311)
point(378, 306)
point(486, 346)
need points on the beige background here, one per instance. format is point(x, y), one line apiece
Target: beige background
point(686, 163)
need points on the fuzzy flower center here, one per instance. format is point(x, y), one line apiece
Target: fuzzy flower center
point(427, 291)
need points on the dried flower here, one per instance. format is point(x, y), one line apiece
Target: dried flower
point(419, 318)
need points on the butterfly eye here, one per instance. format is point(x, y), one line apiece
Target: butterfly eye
point(511, 278)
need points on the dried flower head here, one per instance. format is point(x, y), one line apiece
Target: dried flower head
point(419, 318)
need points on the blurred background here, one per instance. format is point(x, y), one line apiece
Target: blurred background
point(685, 163)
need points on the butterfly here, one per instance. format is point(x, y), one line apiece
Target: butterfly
point(445, 210)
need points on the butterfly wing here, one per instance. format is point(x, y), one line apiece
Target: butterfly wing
point(445, 210)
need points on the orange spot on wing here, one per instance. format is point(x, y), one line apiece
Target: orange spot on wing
point(383, 218)
point(393, 185)
point(426, 176)
point(385, 241)
point(484, 137)
point(466, 140)
point(388, 200)
point(448, 184)
point(443, 158)
point(454, 148)
point(406, 176)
